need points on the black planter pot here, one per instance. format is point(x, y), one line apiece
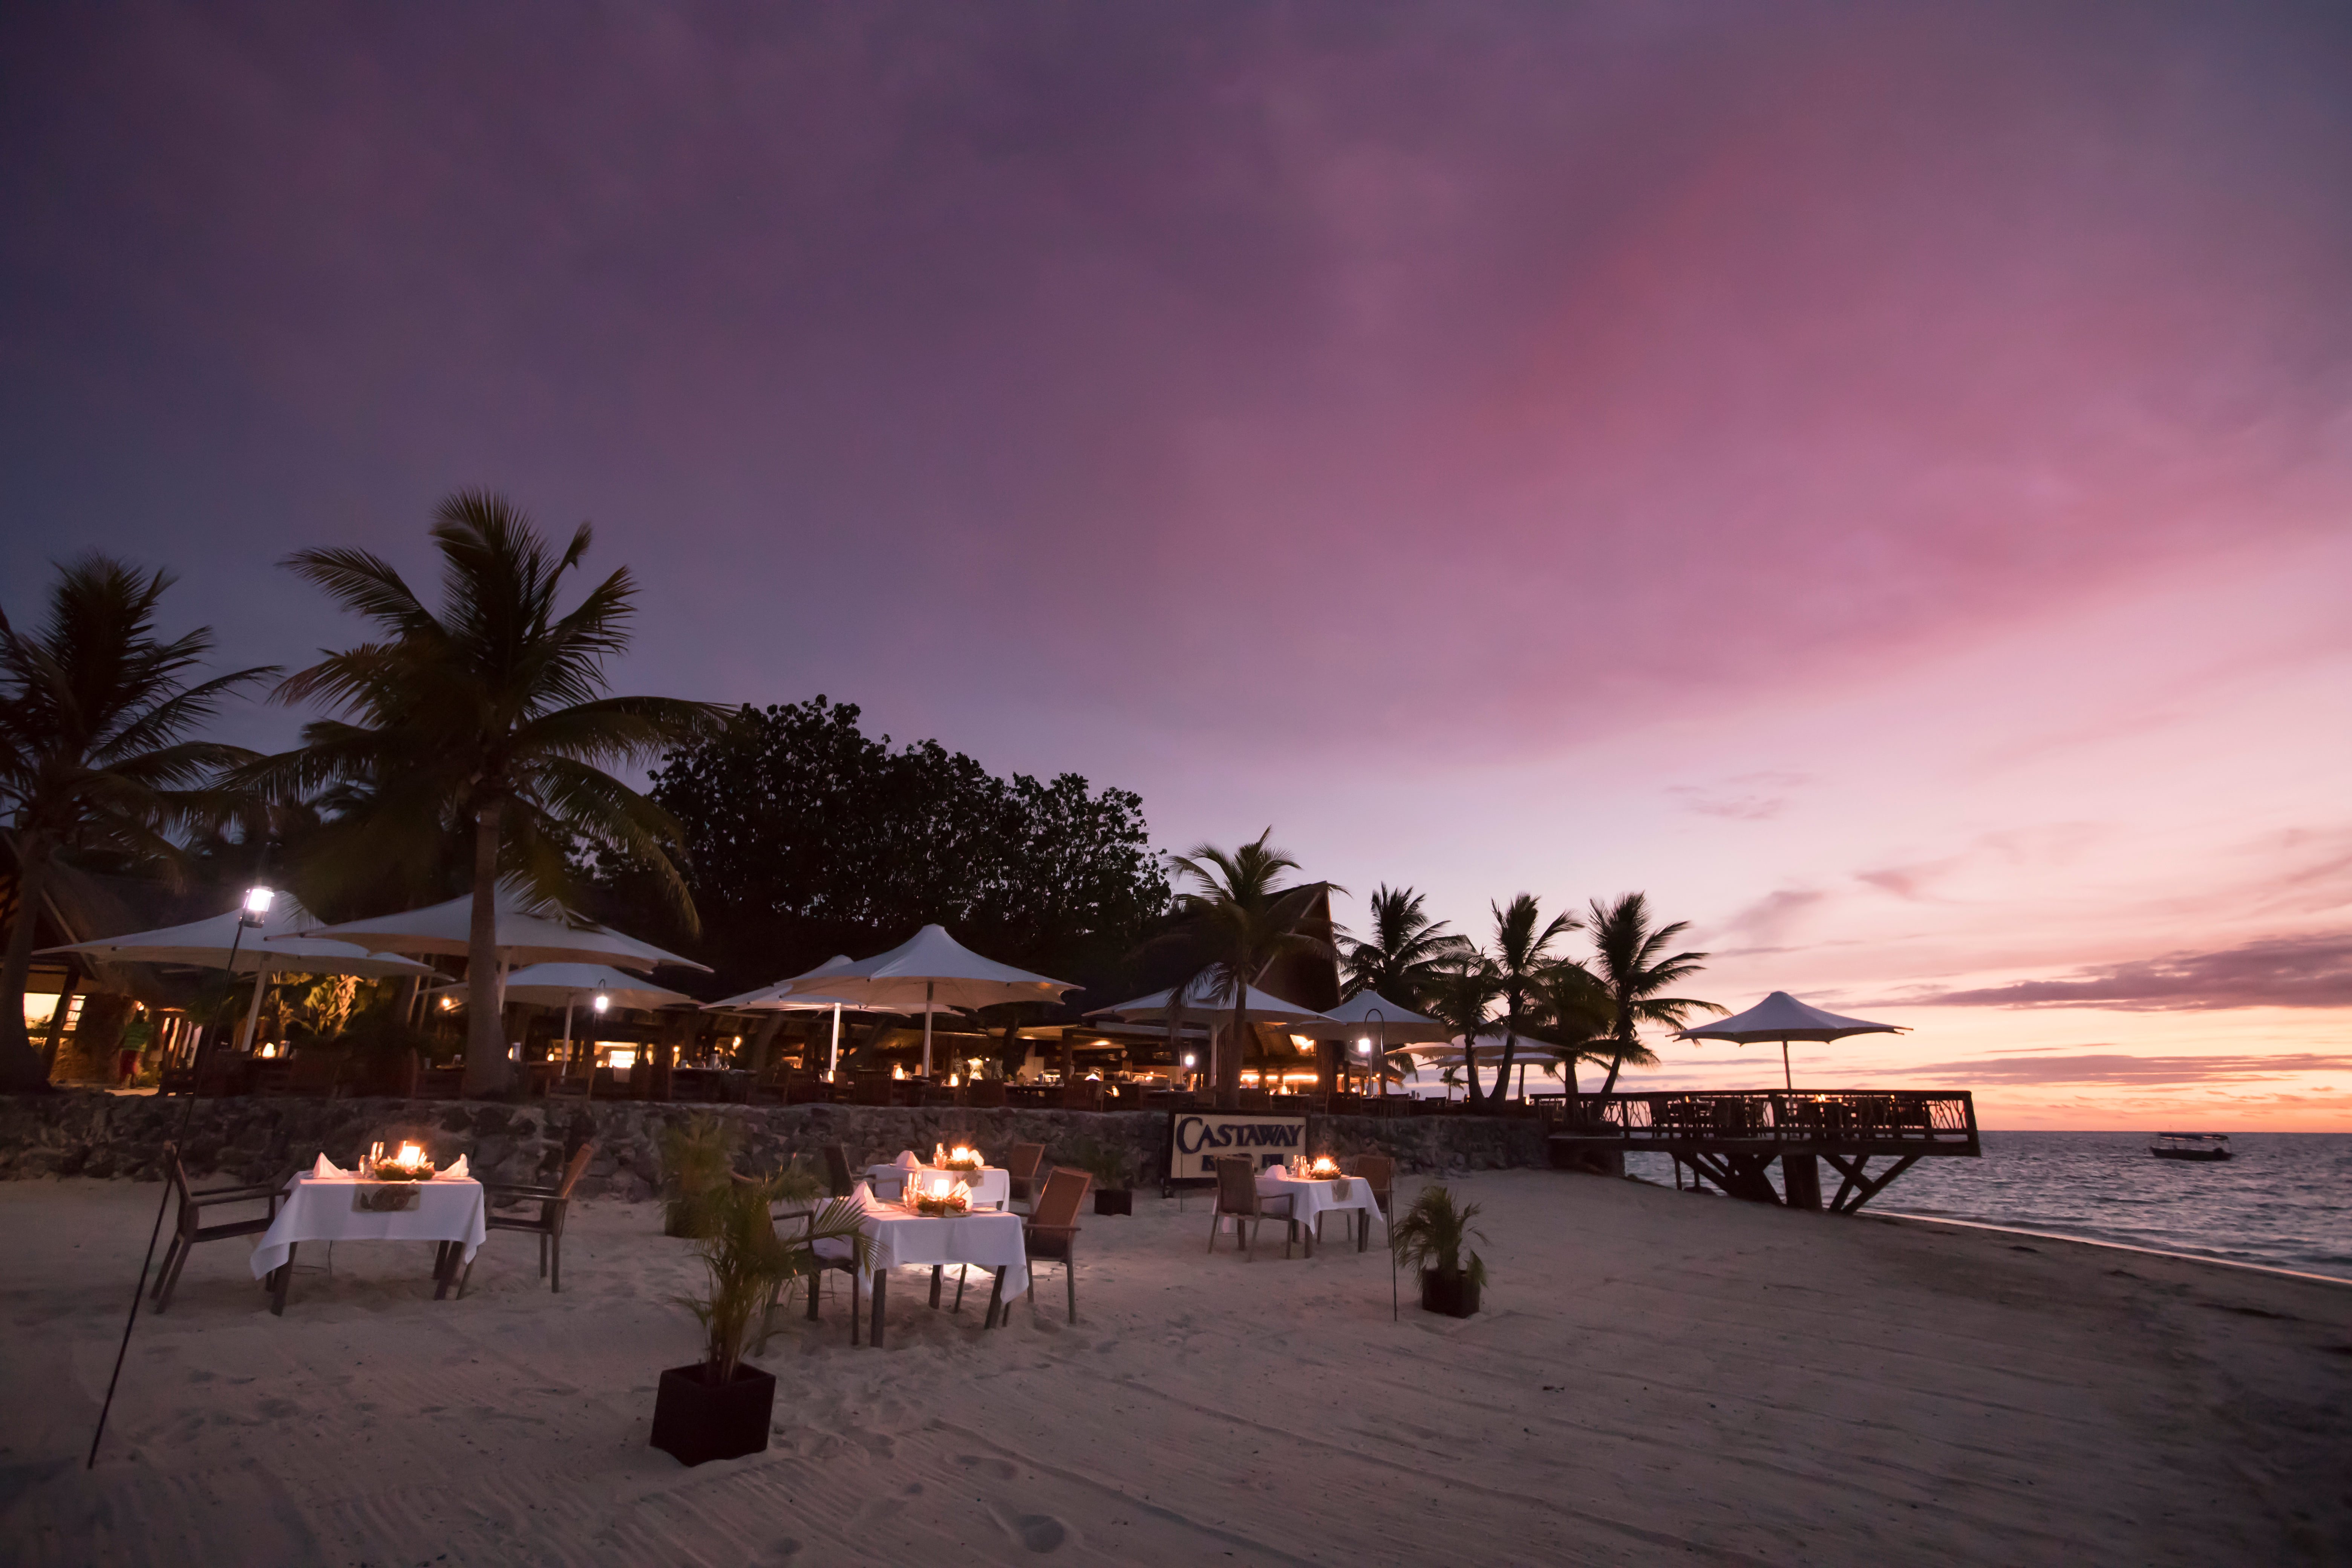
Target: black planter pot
point(696, 1421)
point(1458, 1297)
point(1120, 1202)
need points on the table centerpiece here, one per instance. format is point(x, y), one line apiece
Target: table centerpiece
point(938, 1197)
point(409, 1164)
point(963, 1159)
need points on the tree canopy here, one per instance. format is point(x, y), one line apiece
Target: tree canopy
point(806, 837)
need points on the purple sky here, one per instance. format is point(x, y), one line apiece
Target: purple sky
point(1876, 478)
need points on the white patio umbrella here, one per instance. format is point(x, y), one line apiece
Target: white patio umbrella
point(780, 998)
point(222, 943)
point(548, 983)
point(931, 968)
point(1373, 1022)
point(1206, 999)
point(1782, 1017)
point(1449, 1053)
point(523, 937)
point(1203, 998)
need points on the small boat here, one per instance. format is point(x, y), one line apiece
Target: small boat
point(2191, 1146)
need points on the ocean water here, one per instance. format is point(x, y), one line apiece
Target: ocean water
point(2284, 1200)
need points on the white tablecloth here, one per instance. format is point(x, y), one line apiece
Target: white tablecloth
point(319, 1208)
point(1318, 1195)
point(993, 1188)
point(982, 1240)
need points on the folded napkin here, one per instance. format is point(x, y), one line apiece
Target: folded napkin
point(908, 1161)
point(455, 1173)
point(326, 1167)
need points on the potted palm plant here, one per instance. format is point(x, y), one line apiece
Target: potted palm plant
point(1112, 1165)
point(1430, 1237)
point(719, 1407)
point(698, 1165)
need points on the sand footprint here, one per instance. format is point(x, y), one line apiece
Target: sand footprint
point(1038, 1531)
point(989, 1465)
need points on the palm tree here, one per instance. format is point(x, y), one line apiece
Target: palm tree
point(1522, 958)
point(1631, 966)
point(484, 724)
point(1572, 1016)
point(94, 712)
point(1463, 988)
point(1233, 924)
point(1400, 959)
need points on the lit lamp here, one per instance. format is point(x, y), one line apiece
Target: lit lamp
point(250, 916)
point(1364, 1048)
point(602, 1002)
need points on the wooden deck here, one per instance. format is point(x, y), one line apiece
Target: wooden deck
point(1732, 1138)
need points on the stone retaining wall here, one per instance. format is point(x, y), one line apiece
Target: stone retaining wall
point(96, 1134)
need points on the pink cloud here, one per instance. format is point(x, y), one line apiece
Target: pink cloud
point(2283, 972)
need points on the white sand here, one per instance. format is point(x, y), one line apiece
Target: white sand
point(1657, 1377)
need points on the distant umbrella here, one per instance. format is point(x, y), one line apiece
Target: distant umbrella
point(1782, 1017)
point(930, 971)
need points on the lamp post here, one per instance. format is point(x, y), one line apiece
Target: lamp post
point(252, 912)
point(1380, 1021)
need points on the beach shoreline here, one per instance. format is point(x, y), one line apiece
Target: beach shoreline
point(1654, 1377)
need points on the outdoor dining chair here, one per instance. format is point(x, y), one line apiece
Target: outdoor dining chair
point(1020, 1162)
point(838, 1181)
point(831, 1256)
point(1379, 1171)
point(554, 1207)
point(1052, 1233)
point(1239, 1200)
point(190, 1228)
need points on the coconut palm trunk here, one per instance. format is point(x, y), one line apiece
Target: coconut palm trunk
point(1229, 1061)
point(488, 1072)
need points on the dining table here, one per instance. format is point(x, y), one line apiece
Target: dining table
point(1311, 1198)
point(447, 1209)
point(898, 1236)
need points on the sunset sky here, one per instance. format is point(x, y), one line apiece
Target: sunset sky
point(1878, 478)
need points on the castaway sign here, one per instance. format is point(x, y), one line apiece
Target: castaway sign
point(1197, 1140)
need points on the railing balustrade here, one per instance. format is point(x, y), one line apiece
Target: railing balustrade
point(1770, 1116)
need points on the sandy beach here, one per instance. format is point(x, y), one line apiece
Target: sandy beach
point(1657, 1377)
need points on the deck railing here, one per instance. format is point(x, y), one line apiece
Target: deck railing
point(1773, 1116)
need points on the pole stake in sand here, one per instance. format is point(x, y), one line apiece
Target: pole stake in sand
point(256, 907)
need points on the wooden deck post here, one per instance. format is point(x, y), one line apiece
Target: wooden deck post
point(1801, 1178)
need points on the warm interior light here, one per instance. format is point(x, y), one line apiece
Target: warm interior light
point(447, 1002)
point(257, 901)
point(1190, 1059)
point(1304, 1042)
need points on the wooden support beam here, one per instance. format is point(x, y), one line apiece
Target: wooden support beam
point(1859, 1186)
